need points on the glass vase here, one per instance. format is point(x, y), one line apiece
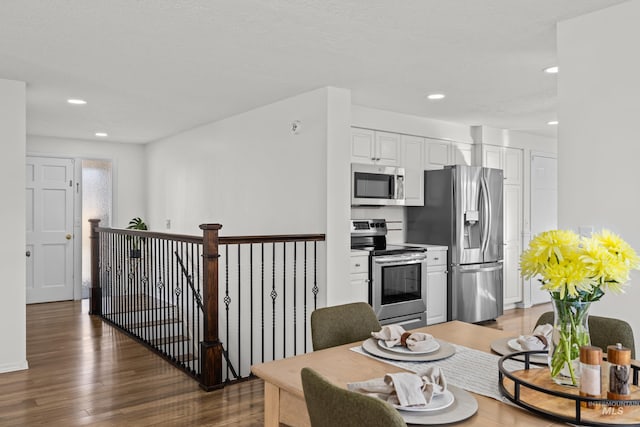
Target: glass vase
point(570, 332)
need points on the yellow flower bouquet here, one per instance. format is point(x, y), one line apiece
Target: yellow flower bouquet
point(576, 271)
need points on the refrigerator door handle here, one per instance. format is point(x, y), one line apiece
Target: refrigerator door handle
point(481, 269)
point(486, 220)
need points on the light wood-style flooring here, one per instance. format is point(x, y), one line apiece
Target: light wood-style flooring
point(84, 372)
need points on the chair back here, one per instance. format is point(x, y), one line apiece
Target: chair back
point(342, 324)
point(604, 331)
point(331, 406)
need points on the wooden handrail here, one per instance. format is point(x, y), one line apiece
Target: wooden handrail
point(223, 240)
point(152, 234)
point(237, 240)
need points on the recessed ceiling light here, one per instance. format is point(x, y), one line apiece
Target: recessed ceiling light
point(551, 70)
point(76, 101)
point(102, 134)
point(435, 96)
point(552, 122)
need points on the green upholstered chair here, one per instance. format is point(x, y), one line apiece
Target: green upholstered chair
point(331, 406)
point(604, 331)
point(342, 324)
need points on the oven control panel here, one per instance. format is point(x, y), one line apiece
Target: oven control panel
point(368, 227)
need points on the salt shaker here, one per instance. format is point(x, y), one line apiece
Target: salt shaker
point(590, 359)
point(619, 359)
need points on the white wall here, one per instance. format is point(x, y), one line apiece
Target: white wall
point(13, 353)
point(129, 169)
point(598, 149)
point(249, 172)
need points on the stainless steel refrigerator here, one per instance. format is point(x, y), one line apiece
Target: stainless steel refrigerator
point(463, 210)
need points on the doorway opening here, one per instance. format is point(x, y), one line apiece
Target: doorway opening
point(97, 199)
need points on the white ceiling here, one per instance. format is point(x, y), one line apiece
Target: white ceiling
point(153, 68)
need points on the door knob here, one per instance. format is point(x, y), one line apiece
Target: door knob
point(28, 254)
point(68, 237)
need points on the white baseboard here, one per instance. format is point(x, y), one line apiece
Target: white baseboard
point(10, 367)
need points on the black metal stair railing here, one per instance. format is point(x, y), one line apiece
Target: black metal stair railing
point(210, 305)
point(268, 290)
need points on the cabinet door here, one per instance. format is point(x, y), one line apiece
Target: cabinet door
point(512, 243)
point(436, 296)
point(436, 154)
point(461, 153)
point(411, 161)
point(513, 166)
point(358, 290)
point(387, 147)
point(362, 145)
point(492, 157)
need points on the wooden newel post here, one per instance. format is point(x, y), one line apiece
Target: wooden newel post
point(95, 305)
point(210, 347)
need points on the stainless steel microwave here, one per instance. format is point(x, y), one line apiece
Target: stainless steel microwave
point(376, 185)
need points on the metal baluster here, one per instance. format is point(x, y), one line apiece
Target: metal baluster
point(295, 299)
point(262, 297)
point(284, 299)
point(274, 295)
point(227, 299)
point(250, 304)
point(305, 297)
point(315, 275)
point(239, 365)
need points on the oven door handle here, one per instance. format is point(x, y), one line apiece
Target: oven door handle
point(399, 260)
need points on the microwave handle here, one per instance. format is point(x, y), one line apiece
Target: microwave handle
point(399, 187)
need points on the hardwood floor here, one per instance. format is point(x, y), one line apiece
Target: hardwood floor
point(84, 372)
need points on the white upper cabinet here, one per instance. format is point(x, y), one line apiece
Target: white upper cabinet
point(436, 153)
point(387, 148)
point(373, 147)
point(411, 159)
point(492, 157)
point(439, 153)
point(362, 145)
point(461, 153)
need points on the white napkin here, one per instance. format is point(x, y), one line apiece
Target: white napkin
point(538, 340)
point(404, 388)
point(392, 336)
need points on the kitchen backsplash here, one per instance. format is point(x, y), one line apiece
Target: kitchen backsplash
point(393, 214)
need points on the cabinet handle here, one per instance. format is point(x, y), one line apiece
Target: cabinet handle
point(436, 258)
point(357, 265)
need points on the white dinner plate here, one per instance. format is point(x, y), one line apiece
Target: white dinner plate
point(438, 402)
point(446, 350)
point(504, 346)
point(432, 346)
point(514, 344)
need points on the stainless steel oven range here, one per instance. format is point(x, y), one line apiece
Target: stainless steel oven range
point(397, 275)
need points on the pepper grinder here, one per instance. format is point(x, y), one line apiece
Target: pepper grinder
point(619, 359)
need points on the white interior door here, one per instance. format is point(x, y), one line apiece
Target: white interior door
point(544, 208)
point(49, 219)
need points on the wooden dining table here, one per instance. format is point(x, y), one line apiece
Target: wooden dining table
point(284, 398)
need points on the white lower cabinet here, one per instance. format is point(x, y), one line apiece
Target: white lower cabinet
point(436, 286)
point(358, 289)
